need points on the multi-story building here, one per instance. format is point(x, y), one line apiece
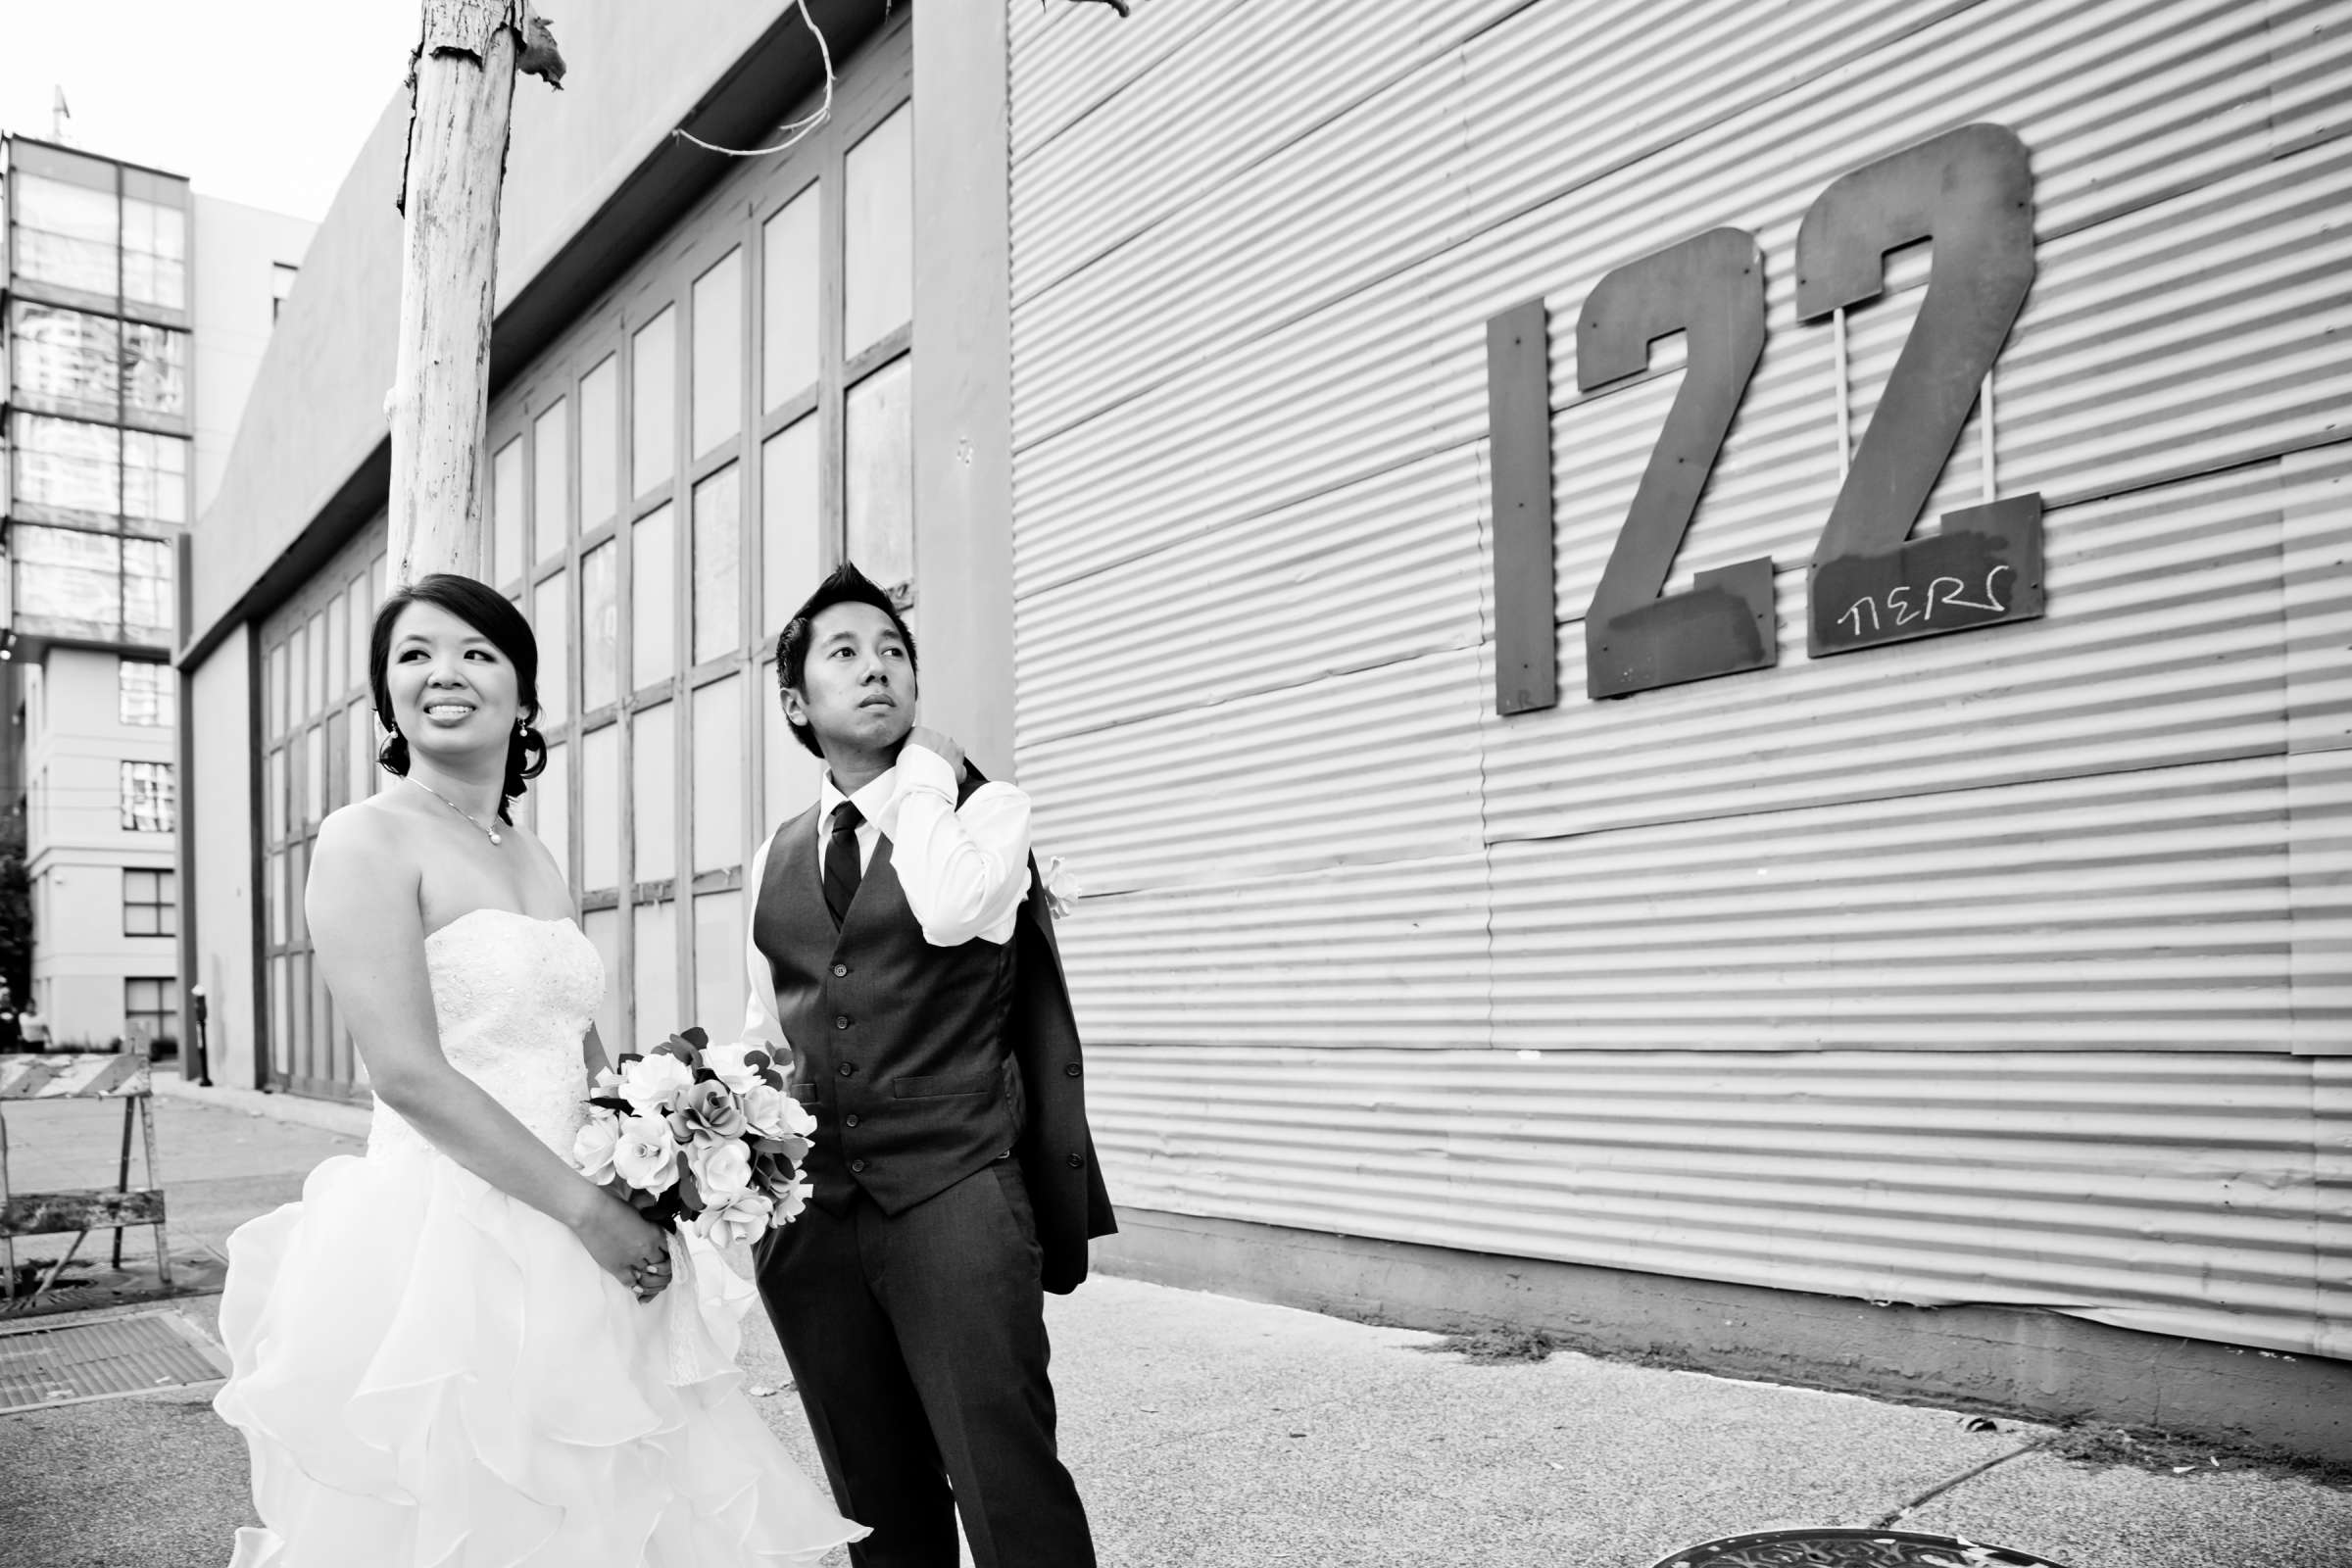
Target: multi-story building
point(126, 366)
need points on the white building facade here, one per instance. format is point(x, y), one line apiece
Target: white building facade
point(1515, 890)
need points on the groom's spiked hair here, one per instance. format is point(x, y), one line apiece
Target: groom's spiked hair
point(846, 585)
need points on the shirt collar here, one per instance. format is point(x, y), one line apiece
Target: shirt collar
point(869, 801)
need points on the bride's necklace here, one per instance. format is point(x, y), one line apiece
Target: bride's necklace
point(455, 807)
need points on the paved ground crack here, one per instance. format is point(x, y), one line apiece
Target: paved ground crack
point(1888, 1521)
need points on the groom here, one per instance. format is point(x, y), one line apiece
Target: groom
point(902, 953)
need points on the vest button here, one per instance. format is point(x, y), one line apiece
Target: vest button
point(1071, 1072)
point(856, 1164)
point(841, 1020)
point(841, 969)
point(850, 1121)
point(848, 1069)
point(1077, 1162)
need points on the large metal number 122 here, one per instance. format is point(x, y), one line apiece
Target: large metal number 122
point(1972, 192)
point(1712, 286)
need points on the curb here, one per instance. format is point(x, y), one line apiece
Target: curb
point(324, 1115)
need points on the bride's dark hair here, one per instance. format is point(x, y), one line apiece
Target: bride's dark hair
point(488, 611)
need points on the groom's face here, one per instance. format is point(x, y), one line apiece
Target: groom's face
point(857, 690)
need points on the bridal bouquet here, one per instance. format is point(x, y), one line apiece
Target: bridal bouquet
point(694, 1133)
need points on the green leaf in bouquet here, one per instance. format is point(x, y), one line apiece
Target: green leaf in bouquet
point(694, 1036)
point(690, 1197)
point(613, 1103)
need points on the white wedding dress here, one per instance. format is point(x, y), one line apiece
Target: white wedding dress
point(429, 1372)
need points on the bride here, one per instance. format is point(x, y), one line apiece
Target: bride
point(455, 1350)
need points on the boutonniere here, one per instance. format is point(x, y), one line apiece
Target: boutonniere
point(1062, 891)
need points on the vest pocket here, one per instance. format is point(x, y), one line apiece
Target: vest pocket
point(944, 1084)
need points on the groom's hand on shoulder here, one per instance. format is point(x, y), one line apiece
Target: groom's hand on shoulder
point(941, 746)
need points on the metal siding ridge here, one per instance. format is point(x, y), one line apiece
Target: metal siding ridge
point(1063, 74)
point(1389, 955)
point(1256, 791)
point(1118, 173)
point(1383, 571)
point(1924, 1178)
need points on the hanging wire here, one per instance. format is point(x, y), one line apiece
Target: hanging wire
point(794, 132)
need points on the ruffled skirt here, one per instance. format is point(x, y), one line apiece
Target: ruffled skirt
point(430, 1373)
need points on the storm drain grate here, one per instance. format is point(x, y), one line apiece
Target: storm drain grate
point(103, 1360)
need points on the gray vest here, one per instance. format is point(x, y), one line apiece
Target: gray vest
point(897, 1046)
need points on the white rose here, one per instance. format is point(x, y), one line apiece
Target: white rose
point(591, 1149)
point(722, 1169)
point(799, 1120)
point(763, 1108)
point(1061, 889)
point(649, 1083)
point(606, 1085)
point(646, 1156)
point(733, 1065)
point(742, 1217)
point(791, 1199)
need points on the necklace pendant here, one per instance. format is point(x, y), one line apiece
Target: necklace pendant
point(494, 838)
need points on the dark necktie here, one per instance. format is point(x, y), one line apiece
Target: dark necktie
point(842, 870)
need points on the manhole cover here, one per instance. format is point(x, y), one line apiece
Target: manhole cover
point(1849, 1548)
point(103, 1360)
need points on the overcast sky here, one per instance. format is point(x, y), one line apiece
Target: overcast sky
point(261, 101)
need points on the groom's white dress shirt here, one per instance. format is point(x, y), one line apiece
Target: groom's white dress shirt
point(964, 871)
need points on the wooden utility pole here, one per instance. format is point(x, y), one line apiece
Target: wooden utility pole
point(463, 86)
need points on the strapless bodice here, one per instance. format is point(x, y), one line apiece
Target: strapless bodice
point(512, 997)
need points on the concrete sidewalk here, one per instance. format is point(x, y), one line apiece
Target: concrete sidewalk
point(1207, 1432)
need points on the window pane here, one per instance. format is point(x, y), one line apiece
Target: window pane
point(143, 693)
point(361, 744)
point(155, 476)
point(68, 577)
point(506, 512)
point(551, 623)
point(320, 697)
point(281, 1052)
point(653, 599)
point(600, 437)
point(653, 399)
point(363, 628)
point(656, 993)
point(600, 627)
point(551, 802)
point(719, 775)
point(719, 353)
point(603, 927)
point(788, 290)
point(719, 963)
point(718, 618)
point(338, 645)
point(155, 370)
point(274, 807)
point(154, 250)
point(63, 463)
point(878, 233)
point(793, 771)
point(600, 810)
point(150, 798)
point(550, 480)
point(65, 233)
point(653, 799)
point(791, 537)
point(299, 644)
point(147, 598)
point(66, 358)
point(317, 775)
point(878, 479)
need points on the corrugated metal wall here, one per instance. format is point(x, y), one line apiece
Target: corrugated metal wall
point(2002, 967)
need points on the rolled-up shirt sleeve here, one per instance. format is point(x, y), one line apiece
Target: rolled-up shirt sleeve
point(965, 869)
point(761, 1026)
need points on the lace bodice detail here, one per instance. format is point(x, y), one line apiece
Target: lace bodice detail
point(512, 996)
